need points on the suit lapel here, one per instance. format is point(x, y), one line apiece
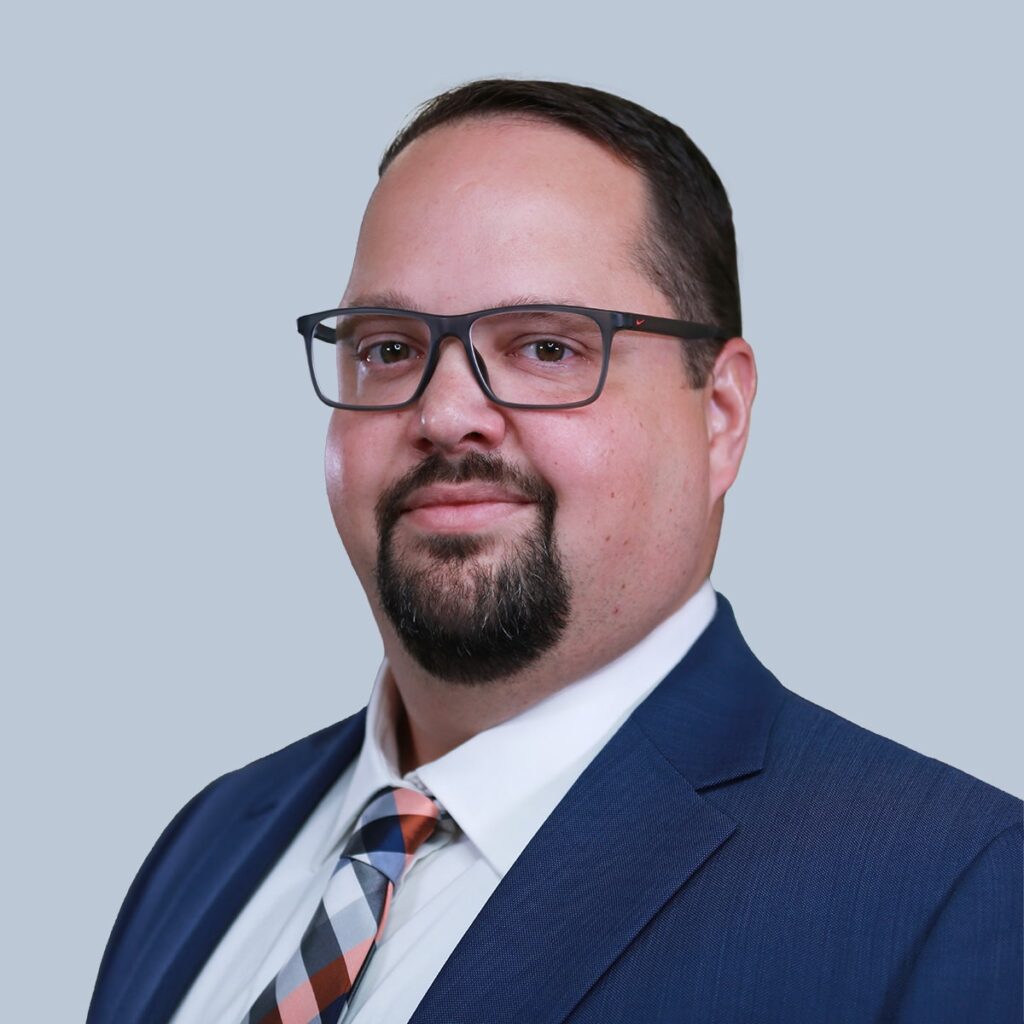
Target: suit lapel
point(625, 838)
point(187, 903)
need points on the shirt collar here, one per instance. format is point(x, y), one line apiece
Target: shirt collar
point(501, 784)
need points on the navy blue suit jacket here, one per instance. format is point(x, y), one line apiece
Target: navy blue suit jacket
point(733, 854)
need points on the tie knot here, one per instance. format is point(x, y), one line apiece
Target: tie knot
point(394, 825)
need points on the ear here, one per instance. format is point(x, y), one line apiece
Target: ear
point(729, 395)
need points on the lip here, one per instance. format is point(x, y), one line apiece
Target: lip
point(461, 507)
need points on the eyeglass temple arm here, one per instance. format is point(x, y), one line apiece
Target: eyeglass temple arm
point(674, 328)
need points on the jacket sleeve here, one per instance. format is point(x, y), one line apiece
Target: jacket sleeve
point(969, 967)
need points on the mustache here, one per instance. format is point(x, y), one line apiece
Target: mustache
point(487, 467)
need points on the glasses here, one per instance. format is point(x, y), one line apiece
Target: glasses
point(523, 357)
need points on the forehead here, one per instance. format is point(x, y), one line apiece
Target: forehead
point(474, 213)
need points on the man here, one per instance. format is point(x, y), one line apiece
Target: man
point(575, 795)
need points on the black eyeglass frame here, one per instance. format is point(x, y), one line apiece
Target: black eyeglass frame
point(442, 327)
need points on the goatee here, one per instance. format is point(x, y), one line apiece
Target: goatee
point(466, 622)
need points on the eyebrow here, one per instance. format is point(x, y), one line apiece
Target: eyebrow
point(399, 300)
point(387, 299)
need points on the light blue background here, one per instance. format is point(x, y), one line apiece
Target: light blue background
point(182, 180)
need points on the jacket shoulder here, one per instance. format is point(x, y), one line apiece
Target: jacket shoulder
point(214, 852)
point(882, 785)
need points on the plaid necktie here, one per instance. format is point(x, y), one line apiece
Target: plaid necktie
point(314, 986)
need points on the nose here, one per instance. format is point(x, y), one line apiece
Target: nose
point(453, 414)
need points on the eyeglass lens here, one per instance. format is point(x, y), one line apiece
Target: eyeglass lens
point(536, 357)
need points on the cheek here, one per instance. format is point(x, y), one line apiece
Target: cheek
point(602, 480)
point(633, 502)
point(352, 466)
point(341, 468)
point(334, 461)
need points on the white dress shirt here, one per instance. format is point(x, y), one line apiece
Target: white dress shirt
point(499, 787)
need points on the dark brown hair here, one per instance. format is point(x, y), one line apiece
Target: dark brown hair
point(689, 250)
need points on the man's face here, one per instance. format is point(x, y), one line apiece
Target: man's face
point(499, 212)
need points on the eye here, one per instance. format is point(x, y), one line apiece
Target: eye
point(548, 350)
point(387, 352)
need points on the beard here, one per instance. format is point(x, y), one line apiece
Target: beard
point(462, 621)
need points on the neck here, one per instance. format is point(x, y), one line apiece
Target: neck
point(437, 716)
